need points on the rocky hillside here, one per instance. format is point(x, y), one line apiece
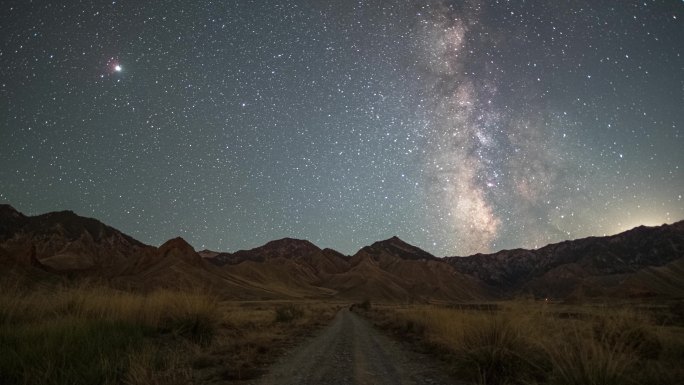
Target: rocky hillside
point(64, 244)
point(642, 262)
point(598, 265)
point(64, 241)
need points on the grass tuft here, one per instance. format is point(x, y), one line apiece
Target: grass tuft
point(152, 366)
point(587, 361)
point(288, 313)
point(495, 350)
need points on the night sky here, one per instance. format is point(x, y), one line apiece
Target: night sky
point(459, 126)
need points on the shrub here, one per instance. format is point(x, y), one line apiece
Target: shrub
point(365, 305)
point(585, 361)
point(288, 313)
point(629, 331)
point(198, 328)
point(189, 314)
point(414, 327)
point(152, 366)
point(493, 350)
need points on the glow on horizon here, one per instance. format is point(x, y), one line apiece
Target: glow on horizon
point(640, 220)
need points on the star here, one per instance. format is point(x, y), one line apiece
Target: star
point(452, 125)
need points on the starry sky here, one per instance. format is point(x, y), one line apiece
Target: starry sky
point(459, 126)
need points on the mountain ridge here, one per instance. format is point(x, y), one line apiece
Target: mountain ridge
point(537, 271)
point(644, 261)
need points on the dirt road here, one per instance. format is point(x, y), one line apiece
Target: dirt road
point(351, 351)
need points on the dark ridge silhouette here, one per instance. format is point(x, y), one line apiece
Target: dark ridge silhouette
point(561, 268)
point(642, 262)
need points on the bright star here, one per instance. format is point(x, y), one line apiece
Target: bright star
point(117, 68)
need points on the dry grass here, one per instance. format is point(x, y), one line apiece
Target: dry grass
point(155, 310)
point(85, 334)
point(254, 334)
point(95, 334)
point(529, 343)
point(153, 365)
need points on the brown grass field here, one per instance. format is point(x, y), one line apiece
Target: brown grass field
point(95, 334)
point(530, 342)
point(92, 334)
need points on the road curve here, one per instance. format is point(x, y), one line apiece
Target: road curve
point(351, 351)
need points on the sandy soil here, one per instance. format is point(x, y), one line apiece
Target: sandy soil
point(351, 351)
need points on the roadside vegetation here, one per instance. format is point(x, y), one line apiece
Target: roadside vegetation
point(93, 334)
point(253, 334)
point(539, 343)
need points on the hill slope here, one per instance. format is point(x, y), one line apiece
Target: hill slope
point(642, 262)
point(63, 243)
point(636, 262)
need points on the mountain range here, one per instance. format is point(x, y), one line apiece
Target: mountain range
point(642, 262)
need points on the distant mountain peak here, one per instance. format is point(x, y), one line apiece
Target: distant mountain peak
point(6, 207)
point(289, 243)
point(394, 240)
point(181, 249)
point(279, 248)
point(64, 214)
point(7, 211)
point(177, 243)
point(396, 246)
point(286, 247)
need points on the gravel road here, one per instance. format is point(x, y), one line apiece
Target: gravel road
point(351, 351)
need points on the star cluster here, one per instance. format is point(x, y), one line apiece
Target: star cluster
point(460, 126)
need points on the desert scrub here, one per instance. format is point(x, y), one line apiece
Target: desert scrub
point(66, 351)
point(628, 330)
point(495, 349)
point(579, 360)
point(481, 347)
point(153, 365)
point(84, 335)
point(254, 334)
point(611, 346)
point(288, 313)
point(534, 343)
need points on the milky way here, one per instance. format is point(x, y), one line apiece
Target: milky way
point(460, 126)
point(492, 165)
